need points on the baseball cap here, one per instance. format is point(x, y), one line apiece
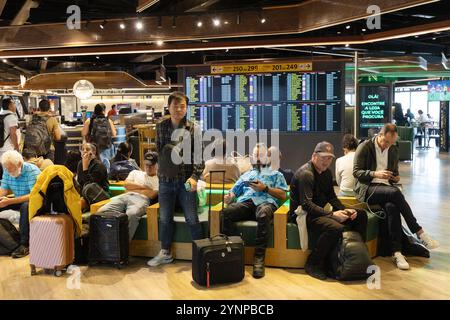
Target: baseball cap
point(325, 149)
point(151, 158)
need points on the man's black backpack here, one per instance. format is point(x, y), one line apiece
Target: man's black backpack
point(53, 198)
point(2, 129)
point(37, 137)
point(101, 133)
point(350, 258)
point(9, 237)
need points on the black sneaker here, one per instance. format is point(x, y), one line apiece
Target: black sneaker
point(258, 268)
point(315, 271)
point(20, 252)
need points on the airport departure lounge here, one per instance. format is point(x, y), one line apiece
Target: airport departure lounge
point(224, 150)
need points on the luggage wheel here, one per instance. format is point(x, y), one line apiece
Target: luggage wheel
point(58, 273)
point(33, 270)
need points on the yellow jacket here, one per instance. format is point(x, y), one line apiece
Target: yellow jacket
point(71, 196)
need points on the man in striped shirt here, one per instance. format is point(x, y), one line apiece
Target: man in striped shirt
point(19, 177)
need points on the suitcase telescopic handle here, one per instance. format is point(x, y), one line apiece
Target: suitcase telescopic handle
point(220, 235)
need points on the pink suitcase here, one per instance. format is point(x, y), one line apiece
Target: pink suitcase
point(51, 243)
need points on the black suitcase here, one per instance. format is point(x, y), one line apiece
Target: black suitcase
point(108, 238)
point(219, 259)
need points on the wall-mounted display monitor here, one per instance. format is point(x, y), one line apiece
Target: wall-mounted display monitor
point(374, 107)
point(439, 90)
point(284, 97)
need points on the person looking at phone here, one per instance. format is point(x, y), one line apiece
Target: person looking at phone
point(90, 169)
point(311, 190)
point(255, 196)
point(376, 170)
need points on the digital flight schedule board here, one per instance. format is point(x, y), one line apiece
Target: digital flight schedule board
point(289, 97)
point(374, 107)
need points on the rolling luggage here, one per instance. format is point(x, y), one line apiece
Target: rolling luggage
point(9, 237)
point(218, 259)
point(108, 238)
point(51, 243)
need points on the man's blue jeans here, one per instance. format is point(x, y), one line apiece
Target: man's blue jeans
point(169, 193)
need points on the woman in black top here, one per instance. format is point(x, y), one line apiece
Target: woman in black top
point(90, 168)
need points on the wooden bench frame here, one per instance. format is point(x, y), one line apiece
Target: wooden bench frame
point(278, 256)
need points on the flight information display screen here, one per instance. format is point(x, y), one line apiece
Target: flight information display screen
point(285, 101)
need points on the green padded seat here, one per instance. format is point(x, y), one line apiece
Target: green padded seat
point(293, 239)
point(142, 230)
point(181, 232)
point(116, 190)
point(247, 229)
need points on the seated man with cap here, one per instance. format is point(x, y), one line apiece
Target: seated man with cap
point(311, 189)
point(141, 191)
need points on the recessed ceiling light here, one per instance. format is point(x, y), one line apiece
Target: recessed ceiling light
point(97, 57)
point(122, 25)
point(159, 42)
point(434, 38)
point(416, 37)
point(263, 20)
point(216, 22)
point(199, 24)
point(364, 30)
point(338, 32)
point(226, 22)
point(139, 25)
point(5, 61)
point(45, 58)
point(347, 45)
point(347, 27)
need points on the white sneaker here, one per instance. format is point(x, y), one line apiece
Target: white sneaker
point(163, 257)
point(400, 261)
point(428, 242)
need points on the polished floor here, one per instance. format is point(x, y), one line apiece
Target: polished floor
point(426, 184)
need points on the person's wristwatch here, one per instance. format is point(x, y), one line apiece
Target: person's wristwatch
point(266, 189)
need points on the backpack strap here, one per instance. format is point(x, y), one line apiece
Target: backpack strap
point(4, 117)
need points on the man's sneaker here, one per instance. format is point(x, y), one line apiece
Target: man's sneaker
point(20, 252)
point(400, 261)
point(428, 242)
point(163, 257)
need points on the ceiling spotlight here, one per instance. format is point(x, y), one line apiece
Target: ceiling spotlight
point(45, 58)
point(347, 27)
point(139, 25)
point(199, 24)
point(338, 32)
point(159, 42)
point(122, 25)
point(97, 57)
point(363, 30)
point(103, 24)
point(416, 37)
point(347, 45)
point(263, 20)
point(5, 61)
point(216, 22)
point(434, 38)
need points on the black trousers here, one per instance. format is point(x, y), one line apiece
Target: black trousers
point(241, 211)
point(393, 202)
point(328, 231)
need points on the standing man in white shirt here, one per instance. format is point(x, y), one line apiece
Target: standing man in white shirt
point(11, 133)
point(344, 167)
